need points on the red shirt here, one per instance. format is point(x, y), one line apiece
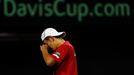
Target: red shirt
point(66, 59)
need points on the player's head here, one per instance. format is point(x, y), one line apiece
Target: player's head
point(51, 37)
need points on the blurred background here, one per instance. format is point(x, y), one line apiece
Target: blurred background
point(103, 39)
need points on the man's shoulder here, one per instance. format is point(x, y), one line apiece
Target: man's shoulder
point(67, 44)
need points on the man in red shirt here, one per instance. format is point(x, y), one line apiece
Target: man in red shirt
point(64, 56)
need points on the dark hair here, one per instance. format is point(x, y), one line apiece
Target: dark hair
point(42, 43)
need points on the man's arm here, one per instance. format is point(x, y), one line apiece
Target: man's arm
point(47, 57)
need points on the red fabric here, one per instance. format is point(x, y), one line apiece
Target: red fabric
point(66, 59)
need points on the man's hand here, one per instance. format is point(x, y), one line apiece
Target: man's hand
point(44, 47)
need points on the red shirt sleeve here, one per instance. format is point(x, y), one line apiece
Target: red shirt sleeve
point(61, 53)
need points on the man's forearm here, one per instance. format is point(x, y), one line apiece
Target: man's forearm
point(46, 55)
point(47, 58)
